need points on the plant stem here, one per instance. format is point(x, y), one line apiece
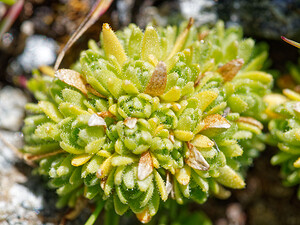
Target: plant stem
point(95, 214)
point(111, 218)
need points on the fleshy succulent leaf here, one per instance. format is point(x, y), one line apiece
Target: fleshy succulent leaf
point(150, 116)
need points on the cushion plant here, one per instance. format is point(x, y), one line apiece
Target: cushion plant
point(284, 130)
point(165, 113)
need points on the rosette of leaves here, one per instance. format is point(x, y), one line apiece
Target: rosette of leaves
point(149, 116)
point(285, 134)
point(225, 50)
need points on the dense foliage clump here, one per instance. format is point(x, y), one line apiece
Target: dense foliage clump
point(165, 113)
point(284, 128)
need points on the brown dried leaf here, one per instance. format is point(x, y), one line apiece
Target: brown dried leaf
point(130, 122)
point(96, 120)
point(285, 81)
point(105, 114)
point(169, 185)
point(144, 217)
point(297, 88)
point(181, 39)
point(145, 167)
point(203, 35)
point(198, 79)
point(230, 69)
point(30, 157)
point(215, 121)
point(158, 81)
point(251, 121)
point(103, 183)
point(171, 138)
point(72, 78)
point(196, 159)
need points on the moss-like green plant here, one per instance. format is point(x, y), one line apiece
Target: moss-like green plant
point(148, 116)
point(284, 130)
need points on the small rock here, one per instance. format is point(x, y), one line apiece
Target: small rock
point(39, 51)
point(12, 102)
point(7, 156)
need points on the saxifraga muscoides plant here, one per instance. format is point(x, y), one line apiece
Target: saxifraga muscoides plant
point(284, 128)
point(147, 116)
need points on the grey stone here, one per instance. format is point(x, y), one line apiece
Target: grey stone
point(18, 204)
point(39, 51)
point(12, 102)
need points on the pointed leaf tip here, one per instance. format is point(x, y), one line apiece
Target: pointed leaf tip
point(191, 23)
point(181, 39)
point(80, 159)
point(106, 26)
point(151, 45)
point(112, 45)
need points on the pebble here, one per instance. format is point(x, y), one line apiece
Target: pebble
point(12, 102)
point(39, 51)
point(18, 203)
